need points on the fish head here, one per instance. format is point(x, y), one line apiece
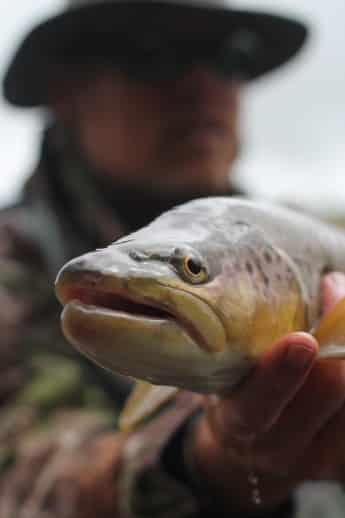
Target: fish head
point(180, 304)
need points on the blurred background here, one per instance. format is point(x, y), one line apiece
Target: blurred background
point(293, 120)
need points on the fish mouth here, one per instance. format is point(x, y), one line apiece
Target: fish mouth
point(115, 302)
point(89, 296)
point(122, 305)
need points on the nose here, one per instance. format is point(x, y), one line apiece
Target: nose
point(202, 83)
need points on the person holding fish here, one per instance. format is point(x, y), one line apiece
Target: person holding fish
point(142, 103)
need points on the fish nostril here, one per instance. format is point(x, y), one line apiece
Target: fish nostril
point(71, 278)
point(138, 256)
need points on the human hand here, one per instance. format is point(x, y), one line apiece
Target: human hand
point(285, 423)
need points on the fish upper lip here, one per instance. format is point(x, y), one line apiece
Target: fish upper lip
point(115, 300)
point(120, 301)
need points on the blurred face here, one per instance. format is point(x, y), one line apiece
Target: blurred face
point(176, 134)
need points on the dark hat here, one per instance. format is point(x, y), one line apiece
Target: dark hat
point(89, 29)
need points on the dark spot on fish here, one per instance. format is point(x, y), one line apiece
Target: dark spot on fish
point(279, 277)
point(241, 224)
point(249, 267)
point(267, 257)
point(266, 279)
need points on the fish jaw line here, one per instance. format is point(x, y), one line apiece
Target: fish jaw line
point(130, 345)
point(158, 351)
point(129, 298)
point(214, 331)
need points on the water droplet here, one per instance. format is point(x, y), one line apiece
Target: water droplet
point(257, 499)
point(253, 479)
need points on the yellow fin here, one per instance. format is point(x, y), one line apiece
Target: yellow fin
point(330, 333)
point(144, 400)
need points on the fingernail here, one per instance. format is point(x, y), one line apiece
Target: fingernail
point(336, 279)
point(300, 356)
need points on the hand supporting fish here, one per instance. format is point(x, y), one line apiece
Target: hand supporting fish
point(285, 423)
point(195, 298)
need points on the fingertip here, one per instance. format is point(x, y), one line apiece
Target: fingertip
point(336, 279)
point(332, 290)
point(301, 354)
point(302, 339)
point(298, 347)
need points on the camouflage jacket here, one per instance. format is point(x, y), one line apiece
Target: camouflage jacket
point(60, 454)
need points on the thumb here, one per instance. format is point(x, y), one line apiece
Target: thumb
point(332, 290)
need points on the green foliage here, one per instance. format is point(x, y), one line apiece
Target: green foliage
point(59, 382)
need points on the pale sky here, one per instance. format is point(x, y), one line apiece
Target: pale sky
point(293, 120)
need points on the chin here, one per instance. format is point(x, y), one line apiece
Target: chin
point(199, 174)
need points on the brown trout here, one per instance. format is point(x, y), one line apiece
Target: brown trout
point(194, 298)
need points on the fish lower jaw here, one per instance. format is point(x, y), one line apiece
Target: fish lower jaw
point(133, 311)
point(154, 349)
point(118, 336)
point(218, 381)
point(203, 385)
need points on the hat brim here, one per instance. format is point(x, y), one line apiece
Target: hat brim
point(65, 37)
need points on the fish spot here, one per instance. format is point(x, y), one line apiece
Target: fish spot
point(241, 224)
point(266, 279)
point(249, 267)
point(267, 257)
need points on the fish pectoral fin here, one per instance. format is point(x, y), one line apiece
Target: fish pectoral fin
point(143, 402)
point(330, 333)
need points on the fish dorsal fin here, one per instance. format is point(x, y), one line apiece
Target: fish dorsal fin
point(143, 402)
point(330, 333)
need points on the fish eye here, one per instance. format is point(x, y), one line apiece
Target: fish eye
point(193, 266)
point(193, 270)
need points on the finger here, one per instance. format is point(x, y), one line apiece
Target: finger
point(332, 290)
point(321, 397)
point(259, 401)
point(324, 459)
